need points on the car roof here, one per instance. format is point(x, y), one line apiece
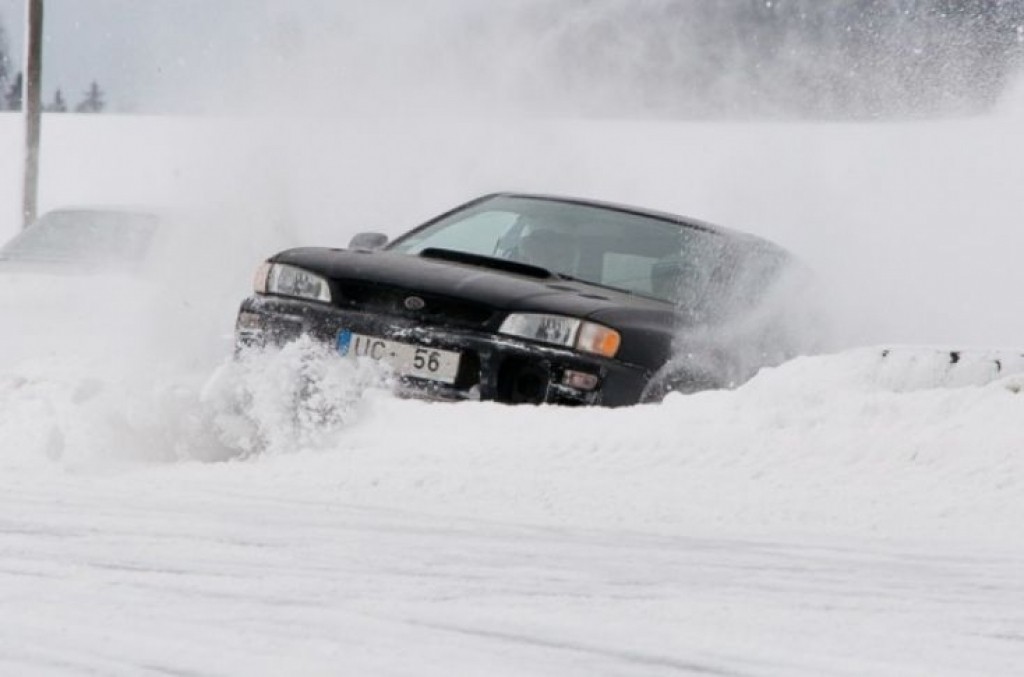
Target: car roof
point(140, 210)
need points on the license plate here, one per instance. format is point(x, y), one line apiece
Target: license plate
point(406, 359)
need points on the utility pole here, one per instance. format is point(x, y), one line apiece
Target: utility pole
point(32, 105)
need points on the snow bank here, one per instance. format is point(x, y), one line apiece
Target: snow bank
point(811, 445)
point(833, 442)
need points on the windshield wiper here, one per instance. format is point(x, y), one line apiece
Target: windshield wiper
point(621, 290)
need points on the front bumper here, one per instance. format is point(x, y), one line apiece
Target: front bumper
point(492, 367)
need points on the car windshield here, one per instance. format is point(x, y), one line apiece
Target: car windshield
point(630, 252)
point(84, 236)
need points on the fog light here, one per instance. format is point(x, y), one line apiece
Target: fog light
point(248, 321)
point(580, 380)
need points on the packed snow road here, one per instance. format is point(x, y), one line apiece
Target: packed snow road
point(248, 569)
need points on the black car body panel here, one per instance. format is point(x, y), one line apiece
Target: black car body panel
point(458, 299)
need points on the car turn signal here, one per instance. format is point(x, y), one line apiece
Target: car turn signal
point(598, 339)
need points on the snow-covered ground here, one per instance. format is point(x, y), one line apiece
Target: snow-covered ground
point(165, 512)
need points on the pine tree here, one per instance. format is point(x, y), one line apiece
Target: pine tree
point(58, 105)
point(93, 101)
point(12, 97)
point(5, 67)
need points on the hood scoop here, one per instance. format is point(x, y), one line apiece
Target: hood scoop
point(486, 262)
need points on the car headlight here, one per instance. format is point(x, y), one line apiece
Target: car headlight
point(559, 330)
point(285, 280)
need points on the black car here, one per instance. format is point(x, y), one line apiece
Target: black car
point(532, 299)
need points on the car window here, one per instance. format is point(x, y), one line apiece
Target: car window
point(632, 252)
point(478, 233)
point(628, 271)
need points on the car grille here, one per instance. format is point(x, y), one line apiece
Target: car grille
point(388, 300)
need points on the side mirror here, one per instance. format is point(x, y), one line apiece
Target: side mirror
point(368, 241)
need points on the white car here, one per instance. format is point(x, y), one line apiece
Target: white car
point(83, 238)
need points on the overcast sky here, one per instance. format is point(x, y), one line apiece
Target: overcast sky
point(201, 55)
point(173, 56)
point(140, 51)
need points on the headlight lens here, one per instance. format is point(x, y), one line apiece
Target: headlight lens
point(285, 280)
point(559, 330)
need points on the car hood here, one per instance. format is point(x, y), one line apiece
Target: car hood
point(501, 289)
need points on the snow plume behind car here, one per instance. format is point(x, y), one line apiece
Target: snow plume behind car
point(791, 309)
